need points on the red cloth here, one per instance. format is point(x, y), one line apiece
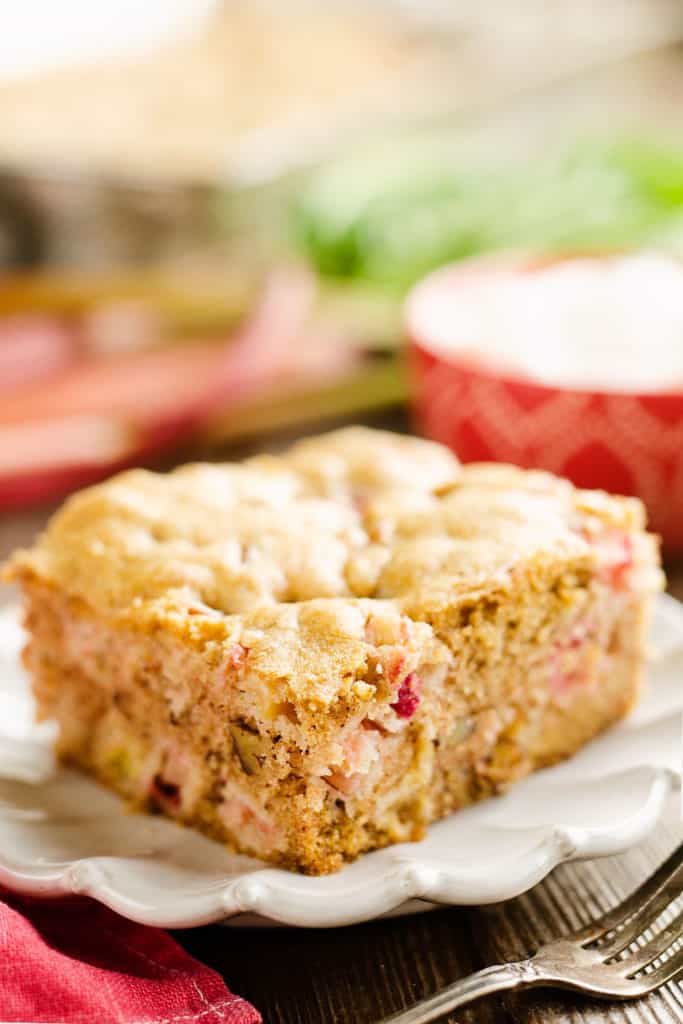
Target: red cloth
point(73, 961)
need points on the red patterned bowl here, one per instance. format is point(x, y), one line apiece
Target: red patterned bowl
point(624, 442)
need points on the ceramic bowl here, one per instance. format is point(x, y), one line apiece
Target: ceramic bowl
point(627, 442)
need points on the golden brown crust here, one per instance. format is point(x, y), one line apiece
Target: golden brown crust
point(355, 513)
point(289, 554)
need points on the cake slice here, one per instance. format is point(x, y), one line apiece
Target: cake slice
point(316, 654)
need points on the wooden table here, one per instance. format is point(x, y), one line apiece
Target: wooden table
point(359, 974)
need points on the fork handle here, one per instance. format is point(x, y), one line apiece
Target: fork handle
point(521, 974)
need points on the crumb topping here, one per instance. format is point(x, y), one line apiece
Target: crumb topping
point(354, 533)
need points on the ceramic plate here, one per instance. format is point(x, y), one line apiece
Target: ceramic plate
point(62, 833)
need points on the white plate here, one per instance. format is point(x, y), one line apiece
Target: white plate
point(62, 833)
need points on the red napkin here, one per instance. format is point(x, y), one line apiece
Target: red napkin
point(73, 961)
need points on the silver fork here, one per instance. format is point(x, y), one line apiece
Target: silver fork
point(596, 960)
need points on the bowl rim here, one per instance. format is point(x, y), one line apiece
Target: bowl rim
point(526, 260)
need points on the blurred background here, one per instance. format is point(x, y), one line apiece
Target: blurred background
point(211, 212)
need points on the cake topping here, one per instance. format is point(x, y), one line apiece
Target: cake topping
point(285, 532)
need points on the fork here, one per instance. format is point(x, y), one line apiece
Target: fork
point(597, 960)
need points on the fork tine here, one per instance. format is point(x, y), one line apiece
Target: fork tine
point(639, 909)
point(670, 970)
point(656, 947)
point(645, 916)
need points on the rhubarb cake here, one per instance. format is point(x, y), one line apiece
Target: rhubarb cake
point(315, 654)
